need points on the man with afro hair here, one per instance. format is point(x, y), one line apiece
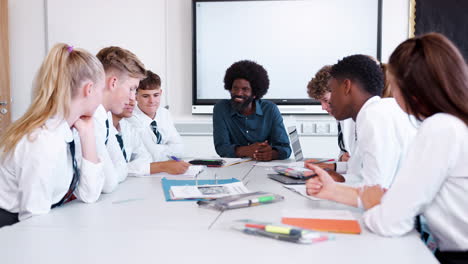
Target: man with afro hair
point(246, 125)
point(383, 131)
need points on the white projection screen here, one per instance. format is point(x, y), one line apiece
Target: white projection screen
point(292, 39)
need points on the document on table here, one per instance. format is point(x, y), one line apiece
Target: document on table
point(299, 164)
point(300, 189)
point(207, 191)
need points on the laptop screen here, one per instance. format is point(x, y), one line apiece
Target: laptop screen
point(295, 143)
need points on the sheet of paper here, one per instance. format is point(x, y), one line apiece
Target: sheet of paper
point(232, 161)
point(300, 189)
point(279, 163)
point(207, 191)
point(319, 214)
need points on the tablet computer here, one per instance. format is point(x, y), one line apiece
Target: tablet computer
point(285, 179)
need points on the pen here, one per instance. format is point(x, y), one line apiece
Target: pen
point(239, 162)
point(174, 158)
point(322, 161)
point(282, 237)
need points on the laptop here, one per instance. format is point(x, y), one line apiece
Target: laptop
point(295, 143)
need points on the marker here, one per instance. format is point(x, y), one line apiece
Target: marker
point(276, 229)
point(255, 201)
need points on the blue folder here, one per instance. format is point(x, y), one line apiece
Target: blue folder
point(166, 185)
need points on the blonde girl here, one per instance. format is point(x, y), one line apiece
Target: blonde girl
point(38, 165)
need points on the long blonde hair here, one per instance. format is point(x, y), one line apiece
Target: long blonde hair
point(57, 82)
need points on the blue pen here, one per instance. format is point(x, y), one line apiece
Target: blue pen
point(174, 158)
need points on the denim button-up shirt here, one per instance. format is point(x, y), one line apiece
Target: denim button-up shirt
point(232, 129)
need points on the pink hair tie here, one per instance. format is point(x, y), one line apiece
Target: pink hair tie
point(70, 48)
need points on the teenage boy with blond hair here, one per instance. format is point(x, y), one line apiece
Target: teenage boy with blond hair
point(123, 74)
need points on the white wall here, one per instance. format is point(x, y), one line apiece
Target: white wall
point(27, 49)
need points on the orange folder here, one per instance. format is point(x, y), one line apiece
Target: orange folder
point(325, 225)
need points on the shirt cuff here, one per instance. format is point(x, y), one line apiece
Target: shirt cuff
point(91, 181)
point(341, 167)
point(91, 168)
point(359, 203)
point(136, 168)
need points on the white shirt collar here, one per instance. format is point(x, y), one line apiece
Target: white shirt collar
point(101, 114)
point(369, 101)
point(144, 117)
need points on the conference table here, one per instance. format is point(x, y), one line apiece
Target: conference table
point(135, 224)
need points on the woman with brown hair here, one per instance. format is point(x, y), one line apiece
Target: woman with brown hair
point(429, 80)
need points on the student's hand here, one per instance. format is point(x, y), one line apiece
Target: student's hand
point(345, 157)
point(325, 166)
point(84, 125)
point(174, 167)
point(322, 186)
point(371, 195)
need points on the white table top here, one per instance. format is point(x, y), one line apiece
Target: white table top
point(148, 229)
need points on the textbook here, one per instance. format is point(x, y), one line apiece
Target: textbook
point(336, 221)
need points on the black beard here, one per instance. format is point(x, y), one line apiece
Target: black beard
point(239, 107)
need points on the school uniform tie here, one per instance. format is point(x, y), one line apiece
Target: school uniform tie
point(121, 144)
point(76, 178)
point(341, 144)
point(107, 134)
point(154, 127)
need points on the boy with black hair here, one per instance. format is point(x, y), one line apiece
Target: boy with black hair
point(383, 130)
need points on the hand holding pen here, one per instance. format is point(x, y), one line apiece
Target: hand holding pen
point(328, 164)
point(174, 165)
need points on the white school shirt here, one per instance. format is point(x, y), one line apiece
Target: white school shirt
point(171, 144)
point(433, 181)
point(349, 134)
point(138, 158)
point(38, 173)
point(114, 167)
point(383, 133)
